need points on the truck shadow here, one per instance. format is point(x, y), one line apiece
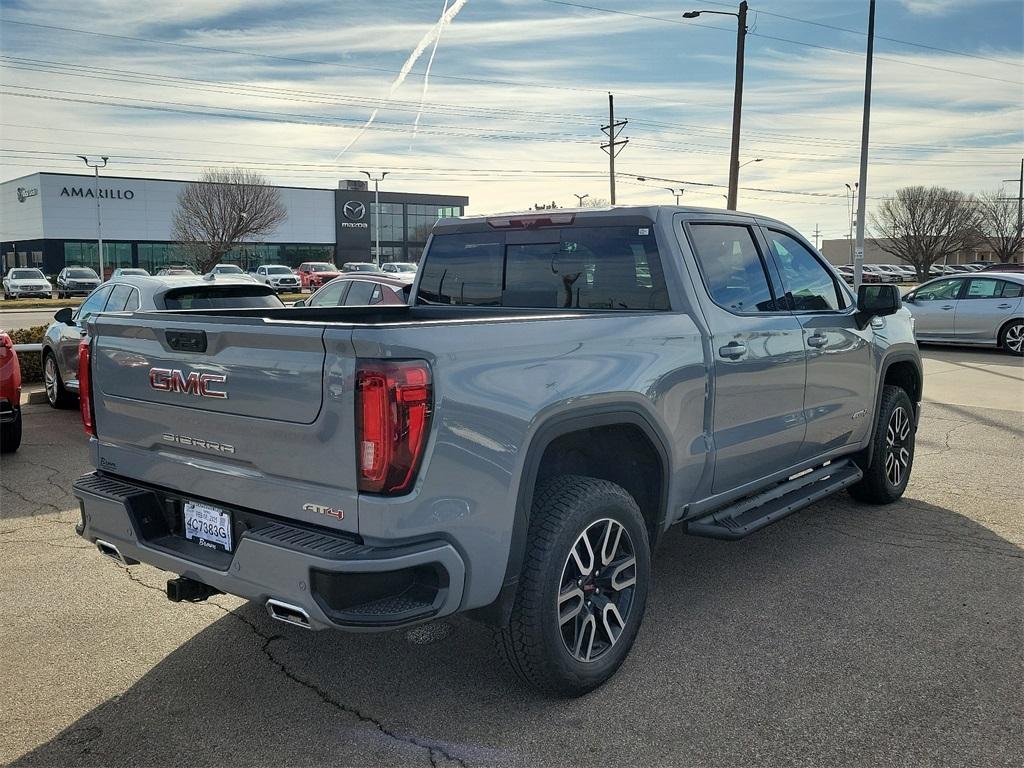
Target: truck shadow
point(852, 634)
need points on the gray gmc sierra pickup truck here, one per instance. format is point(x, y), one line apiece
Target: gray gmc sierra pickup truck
point(562, 388)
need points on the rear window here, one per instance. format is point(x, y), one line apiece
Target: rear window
point(221, 297)
point(613, 267)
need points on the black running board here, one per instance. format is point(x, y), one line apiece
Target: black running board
point(755, 512)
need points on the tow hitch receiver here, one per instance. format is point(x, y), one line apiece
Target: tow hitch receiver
point(185, 590)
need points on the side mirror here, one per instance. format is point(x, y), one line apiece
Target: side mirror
point(909, 298)
point(876, 300)
point(299, 303)
point(65, 315)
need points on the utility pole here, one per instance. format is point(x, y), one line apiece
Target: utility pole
point(858, 254)
point(376, 205)
point(580, 198)
point(817, 234)
point(614, 145)
point(96, 191)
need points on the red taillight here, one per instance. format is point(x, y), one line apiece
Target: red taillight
point(85, 387)
point(393, 401)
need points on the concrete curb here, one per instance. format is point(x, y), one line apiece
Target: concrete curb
point(32, 395)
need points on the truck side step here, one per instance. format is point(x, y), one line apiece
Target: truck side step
point(755, 512)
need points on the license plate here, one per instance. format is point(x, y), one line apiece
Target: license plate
point(208, 526)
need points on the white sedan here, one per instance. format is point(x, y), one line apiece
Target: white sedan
point(26, 281)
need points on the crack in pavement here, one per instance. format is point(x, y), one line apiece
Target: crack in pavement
point(34, 504)
point(434, 751)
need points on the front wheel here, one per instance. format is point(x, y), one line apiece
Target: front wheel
point(886, 477)
point(583, 587)
point(1013, 338)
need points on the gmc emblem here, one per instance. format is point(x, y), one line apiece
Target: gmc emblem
point(198, 384)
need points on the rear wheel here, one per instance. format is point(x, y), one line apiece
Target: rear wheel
point(56, 395)
point(10, 434)
point(583, 587)
point(886, 477)
point(1012, 340)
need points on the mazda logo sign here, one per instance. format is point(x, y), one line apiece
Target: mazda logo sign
point(354, 210)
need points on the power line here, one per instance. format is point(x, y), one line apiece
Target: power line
point(570, 119)
point(792, 42)
point(877, 37)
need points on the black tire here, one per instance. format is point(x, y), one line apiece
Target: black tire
point(56, 395)
point(534, 643)
point(1011, 338)
point(885, 478)
point(10, 434)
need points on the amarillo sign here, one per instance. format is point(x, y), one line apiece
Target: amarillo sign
point(104, 194)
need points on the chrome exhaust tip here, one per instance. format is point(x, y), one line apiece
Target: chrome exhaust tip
point(111, 551)
point(289, 614)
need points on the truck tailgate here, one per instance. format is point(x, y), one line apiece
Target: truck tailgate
point(248, 413)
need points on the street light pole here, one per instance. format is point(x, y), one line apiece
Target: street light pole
point(580, 198)
point(737, 101)
point(376, 205)
point(1020, 200)
point(851, 193)
point(862, 188)
point(96, 191)
point(679, 194)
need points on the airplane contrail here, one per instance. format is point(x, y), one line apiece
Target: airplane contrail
point(426, 78)
point(421, 46)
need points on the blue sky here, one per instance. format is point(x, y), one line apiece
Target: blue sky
point(517, 93)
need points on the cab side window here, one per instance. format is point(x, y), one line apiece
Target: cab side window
point(732, 268)
point(95, 303)
point(1012, 290)
point(119, 296)
point(943, 290)
point(983, 288)
point(810, 287)
point(330, 295)
point(360, 293)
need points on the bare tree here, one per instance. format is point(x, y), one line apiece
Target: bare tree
point(223, 208)
point(595, 202)
point(923, 225)
point(999, 224)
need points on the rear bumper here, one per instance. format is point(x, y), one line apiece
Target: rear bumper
point(336, 581)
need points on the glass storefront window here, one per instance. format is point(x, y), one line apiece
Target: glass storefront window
point(392, 226)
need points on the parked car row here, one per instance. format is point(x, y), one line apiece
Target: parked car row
point(25, 282)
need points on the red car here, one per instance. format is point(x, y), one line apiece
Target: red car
point(10, 396)
point(313, 274)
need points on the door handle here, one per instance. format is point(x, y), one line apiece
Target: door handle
point(947, 307)
point(817, 340)
point(732, 350)
point(1004, 306)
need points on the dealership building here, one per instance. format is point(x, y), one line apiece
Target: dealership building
point(48, 220)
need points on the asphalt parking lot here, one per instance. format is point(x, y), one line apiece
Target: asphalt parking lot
point(844, 635)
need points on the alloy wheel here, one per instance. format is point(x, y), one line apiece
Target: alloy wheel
point(897, 457)
point(1014, 337)
point(596, 590)
point(50, 379)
